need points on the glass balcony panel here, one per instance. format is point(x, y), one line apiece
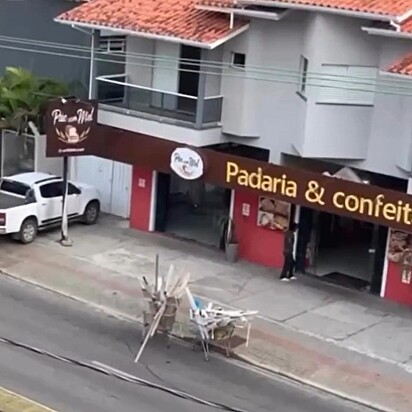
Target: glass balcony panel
point(114, 91)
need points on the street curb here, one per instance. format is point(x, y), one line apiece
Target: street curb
point(14, 402)
point(307, 382)
point(234, 356)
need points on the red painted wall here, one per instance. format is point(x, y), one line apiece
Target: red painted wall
point(256, 244)
point(141, 198)
point(396, 290)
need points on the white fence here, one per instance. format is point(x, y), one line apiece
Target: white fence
point(25, 153)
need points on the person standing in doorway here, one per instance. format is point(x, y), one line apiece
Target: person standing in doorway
point(288, 254)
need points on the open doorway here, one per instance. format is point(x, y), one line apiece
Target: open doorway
point(191, 210)
point(341, 250)
point(189, 68)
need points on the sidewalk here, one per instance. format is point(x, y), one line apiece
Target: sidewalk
point(349, 343)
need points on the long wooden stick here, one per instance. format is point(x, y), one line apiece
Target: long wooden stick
point(149, 334)
point(157, 273)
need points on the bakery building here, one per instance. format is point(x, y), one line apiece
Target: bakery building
point(351, 231)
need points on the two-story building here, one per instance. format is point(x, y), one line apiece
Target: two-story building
point(271, 95)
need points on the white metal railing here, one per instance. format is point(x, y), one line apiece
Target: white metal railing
point(109, 79)
point(118, 92)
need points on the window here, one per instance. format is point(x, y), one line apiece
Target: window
point(238, 60)
point(351, 85)
point(30, 196)
point(16, 188)
point(73, 190)
point(51, 190)
point(108, 44)
point(303, 78)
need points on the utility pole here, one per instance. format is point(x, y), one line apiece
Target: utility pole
point(64, 240)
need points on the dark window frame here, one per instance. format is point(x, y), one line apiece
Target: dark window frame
point(238, 60)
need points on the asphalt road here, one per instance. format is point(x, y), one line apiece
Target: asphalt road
point(59, 325)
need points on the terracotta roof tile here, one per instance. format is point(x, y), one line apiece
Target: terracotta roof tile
point(175, 18)
point(403, 66)
point(406, 26)
point(382, 7)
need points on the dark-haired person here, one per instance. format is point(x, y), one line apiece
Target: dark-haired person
point(289, 260)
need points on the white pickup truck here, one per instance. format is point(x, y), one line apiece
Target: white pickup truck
point(33, 201)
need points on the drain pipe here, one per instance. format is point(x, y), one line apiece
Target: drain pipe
point(396, 25)
point(232, 17)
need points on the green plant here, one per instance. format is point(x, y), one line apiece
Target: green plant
point(23, 98)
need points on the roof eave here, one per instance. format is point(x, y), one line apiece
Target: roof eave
point(170, 39)
point(320, 9)
point(405, 16)
point(246, 13)
point(387, 33)
point(396, 75)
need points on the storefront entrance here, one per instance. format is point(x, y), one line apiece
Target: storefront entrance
point(191, 210)
point(341, 250)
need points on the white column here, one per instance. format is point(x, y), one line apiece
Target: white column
point(296, 219)
point(153, 203)
point(232, 203)
point(166, 74)
point(385, 266)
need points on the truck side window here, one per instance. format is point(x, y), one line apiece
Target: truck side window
point(16, 188)
point(51, 190)
point(73, 190)
point(30, 196)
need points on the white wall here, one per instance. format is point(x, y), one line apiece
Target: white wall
point(52, 165)
point(389, 148)
point(139, 69)
point(166, 70)
point(214, 76)
point(270, 110)
point(165, 75)
point(337, 131)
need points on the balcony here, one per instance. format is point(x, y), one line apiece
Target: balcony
point(117, 94)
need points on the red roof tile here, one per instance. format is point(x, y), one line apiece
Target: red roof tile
point(406, 26)
point(382, 7)
point(175, 18)
point(403, 66)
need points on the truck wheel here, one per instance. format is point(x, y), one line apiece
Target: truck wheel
point(91, 213)
point(28, 231)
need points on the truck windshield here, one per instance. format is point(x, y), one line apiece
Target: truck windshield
point(16, 188)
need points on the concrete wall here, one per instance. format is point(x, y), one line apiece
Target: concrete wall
point(139, 68)
point(33, 19)
point(337, 131)
point(268, 108)
point(389, 149)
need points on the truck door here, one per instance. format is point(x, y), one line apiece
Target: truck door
point(50, 204)
point(73, 201)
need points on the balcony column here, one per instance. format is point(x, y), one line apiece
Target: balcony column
point(201, 93)
point(94, 46)
point(93, 64)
